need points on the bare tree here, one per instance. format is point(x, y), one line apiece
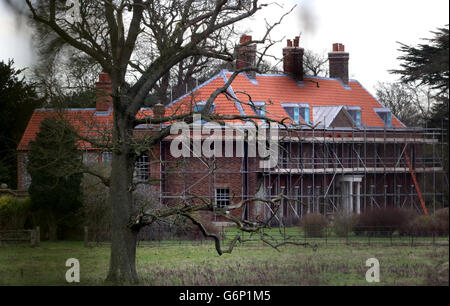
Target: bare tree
point(412, 105)
point(315, 64)
point(112, 33)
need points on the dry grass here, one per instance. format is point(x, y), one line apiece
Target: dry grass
point(200, 265)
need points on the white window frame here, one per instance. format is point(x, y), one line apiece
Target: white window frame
point(259, 108)
point(142, 168)
point(106, 157)
point(222, 195)
point(381, 111)
point(358, 113)
point(302, 110)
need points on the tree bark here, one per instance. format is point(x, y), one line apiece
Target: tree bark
point(52, 227)
point(122, 267)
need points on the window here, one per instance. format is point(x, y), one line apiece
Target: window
point(259, 108)
point(200, 106)
point(222, 197)
point(142, 168)
point(297, 111)
point(385, 115)
point(106, 157)
point(355, 113)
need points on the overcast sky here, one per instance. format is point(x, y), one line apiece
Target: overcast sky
point(369, 30)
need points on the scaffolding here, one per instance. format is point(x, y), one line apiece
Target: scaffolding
point(353, 170)
point(324, 171)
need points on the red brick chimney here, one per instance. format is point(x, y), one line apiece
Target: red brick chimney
point(246, 55)
point(103, 92)
point(339, 62)
point(159, 111)
point(293, 59)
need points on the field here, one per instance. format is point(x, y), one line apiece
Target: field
point(190, 264)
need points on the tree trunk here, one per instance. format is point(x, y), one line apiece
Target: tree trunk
point(122, 268)
point(52, 227)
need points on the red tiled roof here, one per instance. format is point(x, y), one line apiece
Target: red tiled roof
point(86, 122)
point(331, 92)
point(271, 89)
point(277, 89)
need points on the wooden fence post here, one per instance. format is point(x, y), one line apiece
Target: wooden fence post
point(33, 238)
point(38, 236)
point(86, 237)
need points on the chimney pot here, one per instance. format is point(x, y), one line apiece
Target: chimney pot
point(246, 55)
point(104, 78)
point(245, 38)
point(293, 59)
point(159, 111)
point(338, 60)
point(103, 92)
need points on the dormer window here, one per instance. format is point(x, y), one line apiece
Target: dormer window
point(385, 115)
point(200, 106)
point(297, 111)
point(259, 108)
point(355, 113)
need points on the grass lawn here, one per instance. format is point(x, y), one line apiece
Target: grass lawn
point(256, 265)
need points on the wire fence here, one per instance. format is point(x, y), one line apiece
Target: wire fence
point(160, 236)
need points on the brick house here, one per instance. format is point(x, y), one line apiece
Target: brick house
point(342, 150)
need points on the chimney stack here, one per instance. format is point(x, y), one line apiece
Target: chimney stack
point(293, 59)
point(246, 55)
point(103, 91)
point(159, 111)
point(339, 62)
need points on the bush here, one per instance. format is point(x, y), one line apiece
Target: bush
point(384, 221)
point(441, 219)
point(314, 225)
point(187, 229)
point(13, 212)
point(422, 226)
point(436, 224)
point(343, 225)
point(96, 209)
point(289, 221)
point(178, 228)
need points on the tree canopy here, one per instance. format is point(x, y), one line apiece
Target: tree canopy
point(54, 163)
point(427, 63)
point(18, 99)
point(141, 45)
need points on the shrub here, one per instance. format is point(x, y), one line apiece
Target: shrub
point(54, 162)
point(285, 221)
point(187, 230)
point(178, 228)
point(314, 225)
point(96, 210)
point(13, 212)
point(436, 224)
point(343, 225)
point(291, 221)
point(384, 221)
point(422, 226)
point(441, 221)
